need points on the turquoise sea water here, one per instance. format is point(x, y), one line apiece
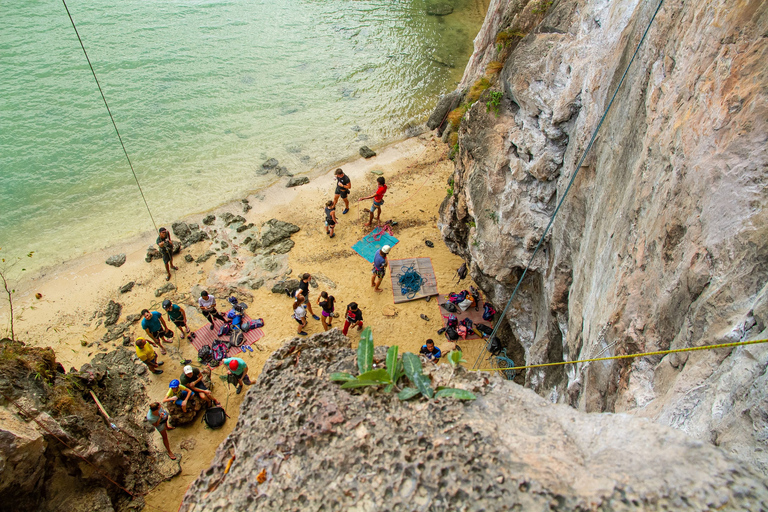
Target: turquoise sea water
point(202, 92)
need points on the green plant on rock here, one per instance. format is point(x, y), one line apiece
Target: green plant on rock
point(494, 216)
point(449, 191)
point(408, 366)
point(542, 7)
point(494, 102)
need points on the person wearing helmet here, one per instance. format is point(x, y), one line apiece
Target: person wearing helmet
point(193, 379)
point(177, 315)
point(146, 353)
point(178, 394)
point(237, 372)
point(378, 200)
point(379, 267)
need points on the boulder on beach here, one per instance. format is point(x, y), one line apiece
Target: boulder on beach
point(282, 171)
point(296, 181)
point(281, 247)
point(127, 287)
point(117, 260)
point(188, 258)
point(275, 230)
point(167, 287)
point(290, 286)
point(221, 260)
point(208, 219)
point(205, 257)
point(270, 164)
point(367, 152)
point(112, 313)
point(188, 234)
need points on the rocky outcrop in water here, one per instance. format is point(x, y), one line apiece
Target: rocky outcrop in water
point(303, 443)
point(661, 242)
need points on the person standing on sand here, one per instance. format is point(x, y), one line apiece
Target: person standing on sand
point(343, 185)
point(378, 200)
point(326, 302)
point(300, 313)
point(146, 353)
point(177, 315)
point(166, 250)
point(207, 305)
point(379, 267)
point(304, 291)
point(330, 219)
point(237, 372)
point(154, 325)
point(353, 316)
point(158, 417)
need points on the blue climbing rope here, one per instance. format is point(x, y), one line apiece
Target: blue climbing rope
point(502, 361)
point(410, 282)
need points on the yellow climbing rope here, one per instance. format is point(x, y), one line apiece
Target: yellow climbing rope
point(629, 356)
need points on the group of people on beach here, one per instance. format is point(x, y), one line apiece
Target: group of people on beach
point(343, 187)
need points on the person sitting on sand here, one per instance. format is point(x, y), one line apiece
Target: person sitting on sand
point(178, 394)
point(431, 352)
point(237, 372)
point(177, 315)
point(207, 305)
point(146, 353)
point(326, 302)
point(193, 379)
point(353, 316)
point(330, 219)
point(154, 325)
point(343, 185)
point(379, 267)
point(300, 313)
point(165, 244)
point(378, 200)
point(158, 417)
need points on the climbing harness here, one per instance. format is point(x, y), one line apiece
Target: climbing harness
point(410, 282)
point(570, 183)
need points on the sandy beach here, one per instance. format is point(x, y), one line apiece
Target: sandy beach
point(417, 169)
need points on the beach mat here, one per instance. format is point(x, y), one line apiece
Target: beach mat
point(367, 247)
point(205, 336)
point(475, 316)
point(421, 265)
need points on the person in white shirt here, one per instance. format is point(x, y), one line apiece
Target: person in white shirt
point(300, 313)
point(208, 307)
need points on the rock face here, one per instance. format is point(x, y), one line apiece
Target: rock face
point(510, 449)
point(296, 181)
point(661, 242)
point(112, 313)
point(274, 231)
point(188, 234)
point(447, 103)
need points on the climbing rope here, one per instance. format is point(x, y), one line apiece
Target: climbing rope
point(410, 282)
point(379, 232)
point(568, 188)
point(504, 363)
point(110, 115)
point(627, 356)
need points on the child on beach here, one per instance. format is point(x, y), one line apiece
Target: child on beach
point(353, 316)
point(326, 302)
point(378, 200)
point(300, 314)
point(330, 218)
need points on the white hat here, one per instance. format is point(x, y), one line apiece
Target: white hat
point(188, 369)
point(385, 249)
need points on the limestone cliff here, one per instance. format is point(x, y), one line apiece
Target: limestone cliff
point(662, 240)
point(303, 443)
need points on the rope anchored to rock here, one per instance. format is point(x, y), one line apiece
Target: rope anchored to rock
point(410, 282)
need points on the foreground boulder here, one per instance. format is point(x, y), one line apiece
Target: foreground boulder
point(337, 449)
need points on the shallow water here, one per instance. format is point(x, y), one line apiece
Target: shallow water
point(202, 92)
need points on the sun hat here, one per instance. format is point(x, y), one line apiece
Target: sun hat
point(174, 383)
point(188, 369)
point(385, 249)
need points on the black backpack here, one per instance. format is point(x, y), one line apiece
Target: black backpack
point(215, 417)
point(451, 334)
point(205, 355)
point(450, 307)
point(462, 272)
point(484, 329)
point(495, 347)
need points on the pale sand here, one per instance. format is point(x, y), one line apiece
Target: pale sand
point(417, 171)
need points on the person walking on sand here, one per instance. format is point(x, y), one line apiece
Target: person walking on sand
point(207, 305)
point(379, 267)
point(166, 251)
point(154, 325)
point(330, 219)
point(378, 200)
point(158, 417)
point(146, 353)
point(343, 185)
point(326, 302)
point(304, 291)
point(300, 313)
point(353, 316)
point(176, 315)
point(237, 372)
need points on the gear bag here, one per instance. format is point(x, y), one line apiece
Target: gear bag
point(215, 417)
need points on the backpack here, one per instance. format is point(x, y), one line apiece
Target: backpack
point(462, 331)
point(495, 347)
point(467, 323)
point(219, 351)
point(458, 297)
point(259, 322)
point(488, 311)
point(451, 334)
point(236, 338)
point(485, 329)
point(204, 355)
point(451, 307)
point(452, 321)
point(214, 417)
point(224, 330)
point(462, 271)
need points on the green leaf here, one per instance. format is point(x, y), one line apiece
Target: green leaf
point(424, 385)
point(341, 377)
point(454, 357)
point(392, 362)
point(407, 394)
point(387, 389)
point(360, 383)
point(365, 351)
point(460, 394)
point(400, 371)
point(412, 365)
point(379, 374)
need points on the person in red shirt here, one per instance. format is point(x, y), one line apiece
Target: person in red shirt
point(378, 200)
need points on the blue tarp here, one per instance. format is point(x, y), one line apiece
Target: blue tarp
point(367, 247)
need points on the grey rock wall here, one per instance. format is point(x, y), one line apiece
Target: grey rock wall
point(662, 241)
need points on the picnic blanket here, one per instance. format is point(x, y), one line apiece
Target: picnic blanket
point(368, 246)
point(421, 265)
point(205, 336)
point(475, 316)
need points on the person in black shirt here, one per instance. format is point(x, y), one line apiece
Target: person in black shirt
point(304, 290)
point(326, 302)
point(193, 379)
point(430, 351)
point(353, 316)
point(330, 219)
point(166, 250)
point(343, 185)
